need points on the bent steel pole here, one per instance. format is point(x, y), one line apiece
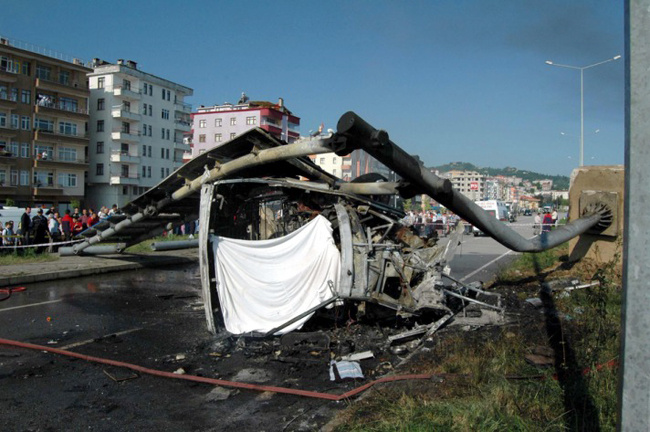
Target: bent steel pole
point(355, 133)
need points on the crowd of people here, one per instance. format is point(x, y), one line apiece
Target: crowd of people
point(50, 226)
point(430, 224)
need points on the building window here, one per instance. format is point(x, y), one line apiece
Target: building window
point(99, 169)
point(126, 84)
point(100, 125)
point(68, 104)
point(202, 138)
point(64, 77)
point(149, 153)
point(125, 190)
point(66, 128)
point(24, 150)
point(144, 129)
point(25, 123)
point(3, 120)
point(203, 123)
point(126, 106)
point(150, 110)
point(167, 134)
point(146, 86)
point(43, 72)
point(166, 153)
point(217, 137)
point(126, 127)
point(334, 160)
point(233, 135)
point(150, 133)
point(24, 178)
point(15, 120)
point(233, 121)
point(144, 171)
point(100, 104)
point(162, 173)
point(26, 96)
point(67, 180)
point(165, 114)
point(101, 82)
point(144, 109)
point(67, 154)
point(14, 95)
point(217, 122)
point(251, 120)
point(100, 147)
point(149, 171)
point(322, 161)
point(162, 153)
point(26, 68)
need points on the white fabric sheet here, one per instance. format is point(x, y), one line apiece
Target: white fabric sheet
point(263, 284)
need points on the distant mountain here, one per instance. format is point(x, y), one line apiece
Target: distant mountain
point(559, 182)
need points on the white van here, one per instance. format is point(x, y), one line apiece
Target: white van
point(495, 208)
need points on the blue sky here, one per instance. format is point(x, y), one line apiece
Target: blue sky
point(450, 80)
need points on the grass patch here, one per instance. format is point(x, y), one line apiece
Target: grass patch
point(22, 256)
point(479, 392)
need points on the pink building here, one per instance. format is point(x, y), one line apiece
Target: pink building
point(216, 125)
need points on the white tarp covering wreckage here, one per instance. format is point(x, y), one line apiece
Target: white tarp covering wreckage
point(256, 191)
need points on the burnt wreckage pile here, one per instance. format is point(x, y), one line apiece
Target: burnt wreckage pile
point(255, 195)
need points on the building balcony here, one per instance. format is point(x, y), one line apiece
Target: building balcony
point(126, 93)
point(61, 110)
point(130, 136)
point(7, 131)
point(47, 135)
point(130, 179)
point(42, 190)
point(124, 157)
point(54, 161)
point(180, 145)
point(182, 125)
point(183, 107)
point(71, 88)
point(7, 102)
point(7, 75)
point(121, 114)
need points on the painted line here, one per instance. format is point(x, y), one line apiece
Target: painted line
point(484, 266)
point(30, 305)
point(87, 341)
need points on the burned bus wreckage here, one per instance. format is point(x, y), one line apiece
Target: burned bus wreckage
point(280, 239)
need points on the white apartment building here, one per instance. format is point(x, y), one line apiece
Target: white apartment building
point(470, 183)
point(137, 123)
point(330, 162)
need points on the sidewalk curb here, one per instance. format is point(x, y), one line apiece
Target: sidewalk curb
point(106, 264)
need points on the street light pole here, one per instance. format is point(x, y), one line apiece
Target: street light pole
point(582, 98)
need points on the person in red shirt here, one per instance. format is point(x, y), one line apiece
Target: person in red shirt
point(77, 227)
point(93, 219)
point(66, 225)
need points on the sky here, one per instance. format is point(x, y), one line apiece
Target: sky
point(449, 80)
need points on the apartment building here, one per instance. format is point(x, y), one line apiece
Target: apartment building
point(215, 125)
point(43, 126)
point(470, 183)
point(137, 125)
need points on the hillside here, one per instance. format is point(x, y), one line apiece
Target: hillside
point(559, 182)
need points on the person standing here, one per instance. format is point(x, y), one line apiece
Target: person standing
point(39, 227)
point(547, 222)
point(8, 234)
point(536, 224)
point(66, 225)
point(554, 217)
point(54, 226)
point(25, 226)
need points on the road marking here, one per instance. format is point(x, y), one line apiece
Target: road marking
point(87, 341)
point(485, 265)
point(29, 305)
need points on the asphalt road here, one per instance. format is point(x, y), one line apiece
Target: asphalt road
point(481, 258)
point(154, 317)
